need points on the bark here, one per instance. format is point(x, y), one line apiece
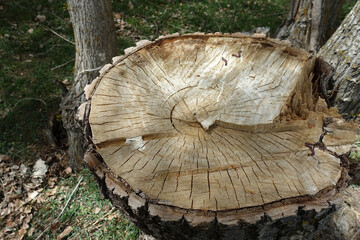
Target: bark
point(341, 51)
point(165, 223)
point(310, 23)
point(200, 136)
point(95, 40)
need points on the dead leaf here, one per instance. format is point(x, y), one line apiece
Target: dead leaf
point(117, 15)
point(41, 18)
point(28, 218)
point(68, 171)
point(31, 232)
point(40, 199)
point(52, 192)
point(52, 182)
point(131, 6)
point(23, 169)
point(40, 168)
point(32, 195)
point(4, 158)
point(21, 232)
point(27, 209)
point(55, 226)
point(97, 210)
point(66, 82)
point(10, 224)
point(66, 232)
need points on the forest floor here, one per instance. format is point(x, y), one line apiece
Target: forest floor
point(36, 57)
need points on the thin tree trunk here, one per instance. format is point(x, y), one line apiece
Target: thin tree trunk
point(95, 39)
point(342, 52)
point(310, 23)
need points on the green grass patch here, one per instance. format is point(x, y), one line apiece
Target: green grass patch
point(28, 53)
point(149, 19)
point(355, 155)
point(90, 216)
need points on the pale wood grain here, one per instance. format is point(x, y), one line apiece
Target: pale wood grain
point(214, 123)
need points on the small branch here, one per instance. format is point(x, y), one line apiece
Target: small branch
point(60, 36)
point(90, 70)
point(61, 65)
point(100, 219)
point(62, 211)
point(24, 99)
point(87, 70)
point(353, 237)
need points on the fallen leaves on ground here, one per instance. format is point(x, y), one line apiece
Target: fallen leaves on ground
point(22, 188)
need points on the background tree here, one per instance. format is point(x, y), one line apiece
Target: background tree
point(341, 51)
point(310, 23)
point(95, 40)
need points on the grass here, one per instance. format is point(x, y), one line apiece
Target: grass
point(29, 51)
point(355, 155)
point(148, 19)
point(90, 216)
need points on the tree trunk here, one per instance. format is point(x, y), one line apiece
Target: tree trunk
point(215, 136)
point(95, 41)
point(310, 23)
point(341, 51)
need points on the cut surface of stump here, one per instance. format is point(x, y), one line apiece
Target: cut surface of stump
point(215, 123)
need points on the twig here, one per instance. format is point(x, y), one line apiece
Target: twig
point(87, 70)
point(102, 218)
point(353, 237)
point(36, 99)
point(62, 37)
point(61, 65)
point(62, 211)
point(52, 47)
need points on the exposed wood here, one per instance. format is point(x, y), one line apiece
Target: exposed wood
point(310, 23)
point(95, 43)
point(213, 130)
point(341, 51)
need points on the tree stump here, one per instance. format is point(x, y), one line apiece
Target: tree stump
point(200, 136)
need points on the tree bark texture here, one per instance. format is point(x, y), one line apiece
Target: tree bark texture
point(341, 51)
point(95, 41)
point(201, 136)
point(166, 223)
point(310, 23)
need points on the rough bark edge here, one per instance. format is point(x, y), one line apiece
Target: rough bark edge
point(165, 222)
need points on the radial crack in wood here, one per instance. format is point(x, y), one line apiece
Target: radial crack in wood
point(216, 123)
